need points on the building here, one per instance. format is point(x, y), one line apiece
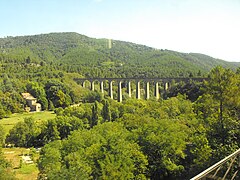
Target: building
point(32, 102)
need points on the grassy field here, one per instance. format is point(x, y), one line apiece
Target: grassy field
point(8, 123)
point(22, 170)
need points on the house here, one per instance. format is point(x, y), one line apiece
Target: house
point(32, 102)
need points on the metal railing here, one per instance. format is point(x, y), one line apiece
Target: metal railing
point(227, 168)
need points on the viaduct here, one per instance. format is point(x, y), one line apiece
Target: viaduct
point(166, 82)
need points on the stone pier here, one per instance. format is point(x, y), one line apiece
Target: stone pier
point(147, 93)
point(119, 91)
point(101, 87)
point(92, 85)
point(111, 89)
point(129, 89)
point(138, 90)
point(156, 90)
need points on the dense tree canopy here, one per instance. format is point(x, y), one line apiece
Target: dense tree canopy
point(105, 152)
point(219, 110)
point(46, 64)
point(189, 128)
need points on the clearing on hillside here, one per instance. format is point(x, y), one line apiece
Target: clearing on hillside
point(8, 123)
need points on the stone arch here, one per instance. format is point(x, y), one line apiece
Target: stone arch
point(164, 83)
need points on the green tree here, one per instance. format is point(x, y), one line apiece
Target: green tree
point(7, 85)
point(62, 100)
point(58, 93)
point(3, 113)
point(23, 134)
point(106, 113)
point(104, 152)
point(49, 132)
point(10, 103)
point(17, 135)
point(93, 96)
point(50, 106)
point(2, 136)
point(67, 124)
point(49, 163)
point(164, 143)
point(38, 91)
point(6, 172)
point(219, 108)
point(95, 117)
point(28, 60)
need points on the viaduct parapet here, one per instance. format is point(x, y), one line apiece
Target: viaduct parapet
point(165, 82)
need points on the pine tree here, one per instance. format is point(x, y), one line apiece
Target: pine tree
point(94, 114)
point(106, 114)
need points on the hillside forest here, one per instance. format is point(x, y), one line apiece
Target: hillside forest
point(192, 126)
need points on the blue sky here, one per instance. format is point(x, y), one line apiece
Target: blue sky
point(210, 27)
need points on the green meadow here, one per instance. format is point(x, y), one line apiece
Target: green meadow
point(9, 122)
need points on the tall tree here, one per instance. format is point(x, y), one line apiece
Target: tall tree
point(106, 113)
point(219, 108)
point(95, 118)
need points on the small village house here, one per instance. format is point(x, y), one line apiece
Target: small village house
point(32, 102)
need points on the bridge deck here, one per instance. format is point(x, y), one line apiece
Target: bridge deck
point(140, 79)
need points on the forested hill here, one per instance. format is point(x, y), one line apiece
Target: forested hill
point(189, 127)
point(72, 52)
